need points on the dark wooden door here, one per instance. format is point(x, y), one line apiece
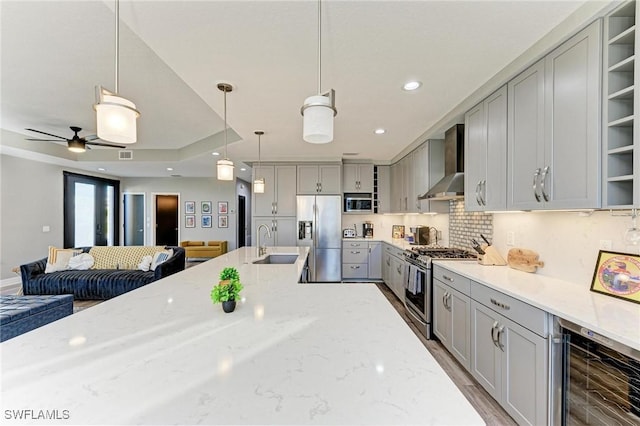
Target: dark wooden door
point(167, 220)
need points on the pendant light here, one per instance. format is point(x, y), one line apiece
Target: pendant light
point(115, 116)
point(258, 183)
point(318, 110)
point(225, 166)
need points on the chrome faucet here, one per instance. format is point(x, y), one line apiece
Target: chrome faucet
point(262, 250)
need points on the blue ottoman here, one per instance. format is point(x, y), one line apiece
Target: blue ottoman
point(19, 314)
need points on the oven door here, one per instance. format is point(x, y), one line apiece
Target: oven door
point(417, 296)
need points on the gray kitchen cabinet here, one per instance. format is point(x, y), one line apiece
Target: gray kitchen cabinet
point(554, 128)
point(375, 261)
point(393, 269)
point(316, 179)
point(621, 181)
point(361, 260)
point(282, 229)
point(396, 188)
point(428, 169)
point(452, 314)
point(408, 187)
point(279, 197)
point(382, 189)
point(357, 178)
point(485, 169)
point(509, 353)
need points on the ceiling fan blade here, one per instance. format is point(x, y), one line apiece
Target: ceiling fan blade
point(110, 145)
point(48, 134)
point(43, 140)
point(90, 138)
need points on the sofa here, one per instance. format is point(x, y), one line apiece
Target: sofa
point(197, 249)
point(19, 314)
point(115, 272)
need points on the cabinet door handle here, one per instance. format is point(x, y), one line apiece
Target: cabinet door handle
point(478, 199)
point(500, 304)
point(275, 207)
point(483, 192)
point(448, 301)
point(448, 278)
point(493, 330)
point(535, 184)
point(320, 185)
point(499, 336)
point(543, 181)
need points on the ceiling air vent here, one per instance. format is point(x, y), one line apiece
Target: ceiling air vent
point(125, 154)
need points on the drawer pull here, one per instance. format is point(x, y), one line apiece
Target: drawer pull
point(448, 278)
point(355, 252)
point(500, 304)
point(355, 267)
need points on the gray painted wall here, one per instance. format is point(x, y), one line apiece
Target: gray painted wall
point(189, 189)
point(32, 197)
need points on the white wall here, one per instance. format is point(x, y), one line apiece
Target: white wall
point(31, 197)
point(189, 189)
point(568, 242)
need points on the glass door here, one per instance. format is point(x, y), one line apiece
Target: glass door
point(91, 215)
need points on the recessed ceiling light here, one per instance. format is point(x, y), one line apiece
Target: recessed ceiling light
point(411, 85)
point(243, 169)
point(102, 169)
point(379, 131)
point(169, 169)
point(215, 153)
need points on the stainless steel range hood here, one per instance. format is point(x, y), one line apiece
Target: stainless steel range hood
point(451, 186)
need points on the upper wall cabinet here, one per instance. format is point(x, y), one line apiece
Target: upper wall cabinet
point(357, 178)
point(554, 128)
point(485, 168)
point(319, 179)
point(621, 187)
point(279, 197)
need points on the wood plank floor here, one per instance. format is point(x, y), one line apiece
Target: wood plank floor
point(486, 406)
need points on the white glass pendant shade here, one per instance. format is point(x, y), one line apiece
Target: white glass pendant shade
point(225, 169)
point(318, 119)
point(258, 186)
point(116, 119)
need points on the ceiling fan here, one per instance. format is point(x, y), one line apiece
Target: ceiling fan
point(76, 143)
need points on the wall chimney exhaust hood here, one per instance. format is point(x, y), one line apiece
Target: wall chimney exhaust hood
point(451, 186)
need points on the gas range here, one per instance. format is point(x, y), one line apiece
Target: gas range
point(423, 255)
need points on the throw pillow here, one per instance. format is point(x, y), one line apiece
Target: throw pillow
point(160, 257)
point(145, 264)
point(81, 262)
point(58, 259)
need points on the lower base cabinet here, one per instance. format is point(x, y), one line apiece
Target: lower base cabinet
point(500, 340)
point(282, 229)
point(393, 269)
point(361, 260)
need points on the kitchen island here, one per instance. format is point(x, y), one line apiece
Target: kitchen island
point(290, 354)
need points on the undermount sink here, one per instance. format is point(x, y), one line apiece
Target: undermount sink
point(277, 259)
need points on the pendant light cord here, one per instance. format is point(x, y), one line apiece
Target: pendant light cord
point(319, 48)
point(225, 123)
point(117, 13)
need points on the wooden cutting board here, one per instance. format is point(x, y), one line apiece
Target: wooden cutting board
point(524, 260)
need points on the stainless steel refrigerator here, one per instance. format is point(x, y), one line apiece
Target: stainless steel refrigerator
point(320, 228)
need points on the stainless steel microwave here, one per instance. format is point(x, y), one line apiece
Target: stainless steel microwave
point(358, 203)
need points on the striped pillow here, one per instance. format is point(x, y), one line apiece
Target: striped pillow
point(160, 257)
point(58, 259)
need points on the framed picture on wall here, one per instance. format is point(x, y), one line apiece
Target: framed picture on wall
point(205, 206)
point(206, 221)
point(617, 275)
point(190, 221)
point(223, 221)
point(223, 207)
point(190, 207)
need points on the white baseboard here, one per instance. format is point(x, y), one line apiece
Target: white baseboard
point(10, 285)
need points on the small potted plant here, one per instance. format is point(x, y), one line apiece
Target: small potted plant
point(228, 289)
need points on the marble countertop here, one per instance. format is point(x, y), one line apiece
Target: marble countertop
point(289, 354)
point(616, 319)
